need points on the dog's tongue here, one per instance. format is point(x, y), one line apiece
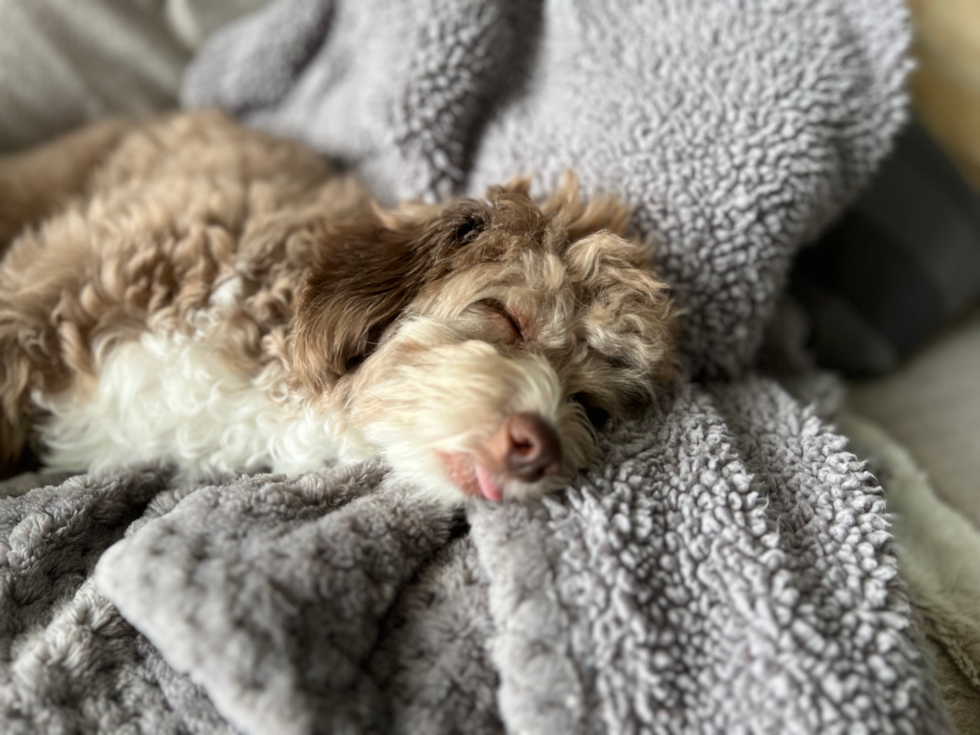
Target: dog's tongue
point(488, 486)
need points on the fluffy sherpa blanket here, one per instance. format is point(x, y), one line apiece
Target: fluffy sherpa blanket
point(725, 566)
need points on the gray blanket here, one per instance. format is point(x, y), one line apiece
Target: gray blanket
point(725, 566)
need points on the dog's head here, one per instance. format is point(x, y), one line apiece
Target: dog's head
point(477, 343)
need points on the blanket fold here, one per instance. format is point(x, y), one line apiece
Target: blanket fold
point(724, 566)
point(271, 594)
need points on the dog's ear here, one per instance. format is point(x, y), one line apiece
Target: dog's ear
point(365, 273)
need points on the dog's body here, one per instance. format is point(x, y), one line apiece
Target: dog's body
point(200, 293)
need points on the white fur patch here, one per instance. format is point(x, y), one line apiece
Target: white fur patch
point(169, 397)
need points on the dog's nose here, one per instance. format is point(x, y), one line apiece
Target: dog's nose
point(532, 449)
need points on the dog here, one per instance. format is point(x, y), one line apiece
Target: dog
point(192, 291)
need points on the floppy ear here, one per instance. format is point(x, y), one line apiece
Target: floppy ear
point(366, 272)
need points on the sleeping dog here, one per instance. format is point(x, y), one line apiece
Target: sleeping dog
point(200, 293)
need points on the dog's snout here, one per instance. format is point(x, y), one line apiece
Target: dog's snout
point(531, 447)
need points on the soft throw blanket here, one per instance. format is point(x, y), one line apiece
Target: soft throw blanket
point(725, 566)
point(937, 547)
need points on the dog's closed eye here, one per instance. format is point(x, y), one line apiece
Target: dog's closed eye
point(503, 325)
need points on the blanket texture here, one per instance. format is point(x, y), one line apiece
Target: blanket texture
point(725, 566)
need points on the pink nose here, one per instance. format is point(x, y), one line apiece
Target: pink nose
point(527, 447)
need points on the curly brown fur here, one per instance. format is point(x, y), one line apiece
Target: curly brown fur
point(194, 276)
